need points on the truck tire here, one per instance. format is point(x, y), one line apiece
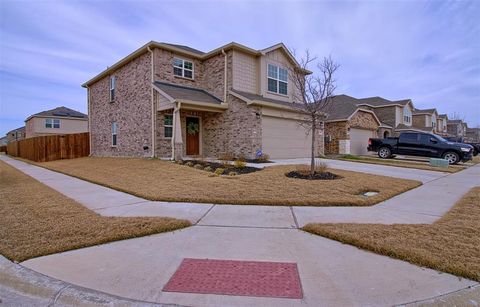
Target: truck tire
point(452, 157)
point(384, 152)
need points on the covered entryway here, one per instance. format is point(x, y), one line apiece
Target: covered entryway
point(284, 138)
point(193, 136)
point(359, 140)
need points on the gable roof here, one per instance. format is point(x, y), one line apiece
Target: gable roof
point(188, 51)
point(21, 129)
point(342, 107)
point(424, 111)
point(182, 92)
point(249, 98)
point(60, 112)
point(382, 102)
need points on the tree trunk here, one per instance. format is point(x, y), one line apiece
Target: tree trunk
point(312, 158)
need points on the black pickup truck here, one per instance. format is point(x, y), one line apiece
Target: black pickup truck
point(476, 146)
point(421, 144)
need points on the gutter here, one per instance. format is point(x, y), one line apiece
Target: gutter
point(225, 78)
point(89, 121)
point(153, 103)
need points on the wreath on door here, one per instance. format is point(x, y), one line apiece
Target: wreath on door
point(193, 128)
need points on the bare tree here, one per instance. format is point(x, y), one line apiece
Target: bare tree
point(457, 116)
point(315, 92)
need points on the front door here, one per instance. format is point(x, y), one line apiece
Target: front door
point(193, 136)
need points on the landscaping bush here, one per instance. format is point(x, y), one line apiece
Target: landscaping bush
point(232, 174)
point(263, 158)
point(219, 171)
point(208, 169)
point(198, 166)
point(239, 164)
point(189, 164)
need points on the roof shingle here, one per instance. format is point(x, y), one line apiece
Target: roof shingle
point(188, 93)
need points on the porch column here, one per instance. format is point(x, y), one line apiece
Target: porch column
point(177, 142)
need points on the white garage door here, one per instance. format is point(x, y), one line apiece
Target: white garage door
point(359, 141)
point(284, 138)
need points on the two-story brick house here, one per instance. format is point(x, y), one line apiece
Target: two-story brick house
point(441, 128)
point(172, 101)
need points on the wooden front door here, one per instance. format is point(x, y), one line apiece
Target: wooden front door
point(193, 136)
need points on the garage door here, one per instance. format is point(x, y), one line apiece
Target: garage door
point(284, 138)
point(359, 141)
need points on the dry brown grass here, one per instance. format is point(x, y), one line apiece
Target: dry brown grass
point(35, 220)
point(167, 181)
point(404, 164)
point(452, 244)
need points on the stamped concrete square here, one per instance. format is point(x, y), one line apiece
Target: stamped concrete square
point(241, 278)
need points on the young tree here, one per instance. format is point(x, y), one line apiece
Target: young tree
point(315, 92)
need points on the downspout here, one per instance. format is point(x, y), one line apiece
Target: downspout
point(89, 121)
point(152, 101)
point(225, 78)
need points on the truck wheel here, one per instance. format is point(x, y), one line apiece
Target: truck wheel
point(475, 152)
point(384, 152)
point(452, 157)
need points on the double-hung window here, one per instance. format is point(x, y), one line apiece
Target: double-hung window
point(183, 68)
point(112, 88)
point(277, 79)
point(168, 126)
point(52, 123)
point(114, 133)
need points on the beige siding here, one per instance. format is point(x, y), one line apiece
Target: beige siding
point(245, 72)
point(67, 126)
point(398, 116)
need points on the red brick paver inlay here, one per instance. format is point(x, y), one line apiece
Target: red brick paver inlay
point(228, 277)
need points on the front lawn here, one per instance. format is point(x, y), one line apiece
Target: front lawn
point(36, 220)
point(402, 163)
point(163, 180)
point(452, 244)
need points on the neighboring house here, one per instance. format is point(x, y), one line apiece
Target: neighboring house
point(456, 128)
point(349, 127)
point(442, 124)
point(16, 134)
point(425, 120)
point(3, 141)
point(60, 120)
point(473, 135)
point(172, 101)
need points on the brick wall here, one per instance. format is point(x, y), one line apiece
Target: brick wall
point(131, 110)
point(335, 131)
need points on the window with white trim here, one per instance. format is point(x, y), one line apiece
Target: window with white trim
point(407, 115)
point(277, 79)
point(182, 68)
point(168, 126)
point(52, 123)
point(112, 88)
point(114, 133)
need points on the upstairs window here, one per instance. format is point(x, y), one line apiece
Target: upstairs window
point(114, 133)
point(112, 88)
point(182, 68)
point(52, 123)
point(277, 79)
point(168, 126)
point(407, 115)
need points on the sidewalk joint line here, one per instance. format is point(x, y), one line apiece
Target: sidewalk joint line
point(294, 217)
point(248, 227)
point(57, 295)
point(205, 214)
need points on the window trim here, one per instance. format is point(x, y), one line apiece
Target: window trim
point(277, 80)
point(183, 68)
point(167, 126)
point(114, 131)
point(52, 122)
point(112, 88)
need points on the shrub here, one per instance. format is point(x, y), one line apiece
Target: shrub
point(219, 171)
point(208, 168)
point(179, 162)
point(242, 158)
point(351, 157)
point(232, 174)
point(189, 164)
point(263, 158)
point(226, 157)
point(198, 166)
point(239, 164)
point(320, 167)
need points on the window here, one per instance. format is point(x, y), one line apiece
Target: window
point(114, 133)
point(408, 137)
point(168, 126)
point(112, 88)
point(277, 79)
point(52, 123)
point(183, 68)
point(407, 115)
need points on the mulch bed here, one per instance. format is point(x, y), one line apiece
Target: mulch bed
point(257, 161)
point(316, 176)
point(227, 167)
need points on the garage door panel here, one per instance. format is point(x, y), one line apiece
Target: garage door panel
point(359, 140)
point(284, 138)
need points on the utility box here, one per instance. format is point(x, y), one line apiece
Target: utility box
point(439, 162)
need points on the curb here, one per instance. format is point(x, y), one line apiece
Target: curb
point(20, 286)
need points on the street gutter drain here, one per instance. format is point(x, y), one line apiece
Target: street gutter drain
point(370, 194)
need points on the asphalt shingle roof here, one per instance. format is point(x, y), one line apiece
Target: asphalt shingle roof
point(379, 101)
point(188, 93)
point(186, 48)
point(62, 112)
point(429, 111)
point(251, 96)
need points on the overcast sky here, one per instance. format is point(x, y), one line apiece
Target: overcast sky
point(426, 51)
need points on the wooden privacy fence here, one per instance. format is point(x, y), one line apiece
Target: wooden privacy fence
point(51, 147)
